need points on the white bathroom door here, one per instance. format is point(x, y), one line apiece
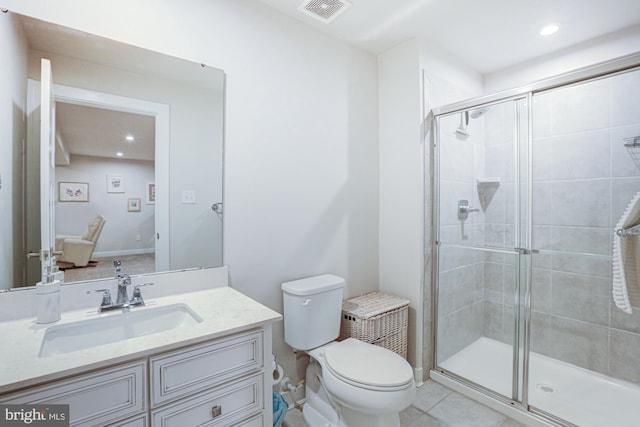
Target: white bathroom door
point(47, 169)
point(39, 177)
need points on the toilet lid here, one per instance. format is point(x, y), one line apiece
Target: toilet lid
point(368, 364)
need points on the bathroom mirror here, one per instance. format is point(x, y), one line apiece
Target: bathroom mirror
point(139, 141)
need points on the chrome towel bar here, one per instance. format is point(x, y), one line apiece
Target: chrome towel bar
point(631, 231)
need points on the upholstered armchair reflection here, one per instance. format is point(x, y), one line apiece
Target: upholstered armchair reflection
point(77, 250)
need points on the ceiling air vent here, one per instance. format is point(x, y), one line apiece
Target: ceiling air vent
point(324, 10)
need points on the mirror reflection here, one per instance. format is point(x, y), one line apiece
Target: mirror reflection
point(138, 157)
point(96, 148)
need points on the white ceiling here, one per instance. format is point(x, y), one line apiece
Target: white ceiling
point(489, 35)
point(98, 132)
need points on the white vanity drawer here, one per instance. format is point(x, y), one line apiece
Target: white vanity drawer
point(94, 399)
point(140, 421)
point(220, 407)
point(187, 371)
point(251, 422)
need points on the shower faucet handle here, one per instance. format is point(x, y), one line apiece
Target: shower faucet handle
point(464, 209)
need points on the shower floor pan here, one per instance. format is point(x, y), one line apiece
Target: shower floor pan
point(580, 396)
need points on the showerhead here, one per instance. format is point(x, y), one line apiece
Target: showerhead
point(479, 112)
point(462, 127)
point(462, 132)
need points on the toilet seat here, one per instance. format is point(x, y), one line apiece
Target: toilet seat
point(368, 366)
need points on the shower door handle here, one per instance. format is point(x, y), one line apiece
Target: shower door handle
point(464, 209)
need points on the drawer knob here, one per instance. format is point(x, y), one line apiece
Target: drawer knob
point(216, 411)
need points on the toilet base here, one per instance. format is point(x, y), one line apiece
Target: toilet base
point(322, 411)
point(359, 419)
point(317, 411)
point(313, 418)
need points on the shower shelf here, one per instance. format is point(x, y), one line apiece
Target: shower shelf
point(489, 181)
point(633, 147)
point(487, 188)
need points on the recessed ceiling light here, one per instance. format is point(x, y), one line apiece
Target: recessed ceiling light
point(119, 154)
point(549, 29)
point(129, 138)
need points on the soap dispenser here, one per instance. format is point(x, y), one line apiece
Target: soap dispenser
point(48, 302)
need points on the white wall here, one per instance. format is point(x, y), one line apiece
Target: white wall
point(13, 89)
point(121, 227)
point(301, 145)
point(401, 189)
point(447, 78)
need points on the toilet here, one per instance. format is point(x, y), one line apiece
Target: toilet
point(349, 383)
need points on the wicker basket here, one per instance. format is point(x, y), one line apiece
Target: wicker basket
point(377, 318)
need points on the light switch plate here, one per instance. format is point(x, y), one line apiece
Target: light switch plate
point(188, 196)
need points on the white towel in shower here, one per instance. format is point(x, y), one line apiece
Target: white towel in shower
point(626, 260)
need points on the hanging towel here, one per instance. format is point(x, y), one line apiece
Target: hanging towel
point(626, 260)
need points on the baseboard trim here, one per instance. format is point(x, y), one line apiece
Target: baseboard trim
point(123, 252)
point(418, 376)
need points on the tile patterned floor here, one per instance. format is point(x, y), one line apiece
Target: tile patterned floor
point(437, 406)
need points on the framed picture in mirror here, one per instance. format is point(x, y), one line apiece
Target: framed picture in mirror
point(73, 191)
point(151, 193)
point(115, 184)
point(133, 204)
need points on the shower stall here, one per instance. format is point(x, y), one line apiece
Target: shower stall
point(529, 187)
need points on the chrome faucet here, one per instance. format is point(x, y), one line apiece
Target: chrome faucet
point(107, 303)
point(122, 302)
point(118, 266)
point(123, 281)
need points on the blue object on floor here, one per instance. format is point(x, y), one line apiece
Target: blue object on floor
point(279, 409)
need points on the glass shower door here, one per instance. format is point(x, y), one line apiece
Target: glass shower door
point(481, 244)
point(584, 349)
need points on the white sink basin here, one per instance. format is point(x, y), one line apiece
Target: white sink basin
point(116, 327)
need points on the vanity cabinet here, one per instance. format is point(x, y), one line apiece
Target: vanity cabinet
point(139, 421)
point(94, 399)
point(222, 382)
point(214, 384)
point(221, 406)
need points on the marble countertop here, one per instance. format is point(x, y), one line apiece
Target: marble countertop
point(223, 311)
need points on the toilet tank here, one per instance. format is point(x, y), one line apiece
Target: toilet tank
point(312, 311)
